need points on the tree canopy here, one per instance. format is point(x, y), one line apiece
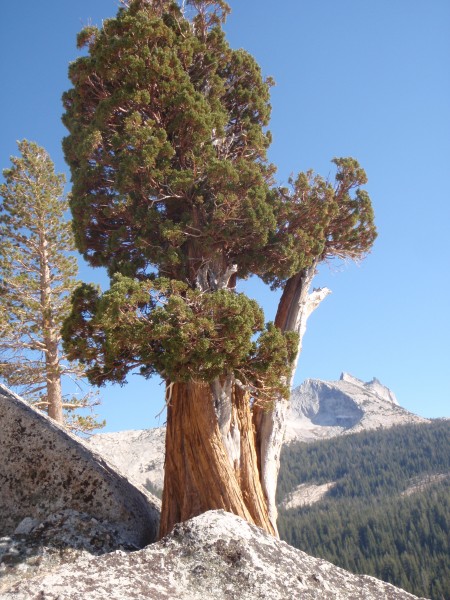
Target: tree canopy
point(37, 276)
point(167, 144)
point(171, 182)
point(173, 193)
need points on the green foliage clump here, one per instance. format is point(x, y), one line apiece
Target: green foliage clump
point(183, 334)
point(319, 220)
point(167, 142)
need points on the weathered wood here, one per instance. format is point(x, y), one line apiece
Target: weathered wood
point(296, 305)
point(249, 475)
point(270, 426)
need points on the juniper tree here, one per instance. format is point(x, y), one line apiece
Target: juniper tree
point(37, 276)
point(174, 195)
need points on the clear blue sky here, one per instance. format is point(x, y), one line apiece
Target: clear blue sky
point(364, 79)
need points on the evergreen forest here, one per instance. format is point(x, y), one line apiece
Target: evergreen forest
point(388, 513)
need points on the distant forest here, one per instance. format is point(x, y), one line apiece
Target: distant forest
point(388, 514)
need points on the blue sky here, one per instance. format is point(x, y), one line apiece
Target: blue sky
point(364, 79)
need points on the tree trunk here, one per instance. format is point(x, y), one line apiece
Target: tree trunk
point(296, 305)
point(54, 393)
point(50, 333)
point(211, 459)
point(199, 474)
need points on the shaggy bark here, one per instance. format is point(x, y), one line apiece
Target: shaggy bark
point(199, 474)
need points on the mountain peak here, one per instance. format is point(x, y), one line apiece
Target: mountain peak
point(374, 386)
point(347, 377)
point(322, 409)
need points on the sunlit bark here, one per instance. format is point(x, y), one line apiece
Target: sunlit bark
point(199, 474)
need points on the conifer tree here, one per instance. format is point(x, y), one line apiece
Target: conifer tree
point(173, 194)
point(37, 276)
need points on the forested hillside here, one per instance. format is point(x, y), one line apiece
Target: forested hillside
point(387, 515)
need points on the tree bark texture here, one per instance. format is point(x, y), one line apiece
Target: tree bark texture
point(199, 474)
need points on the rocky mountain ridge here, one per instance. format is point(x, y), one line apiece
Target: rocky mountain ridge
point(322, 409)
point(138, 453)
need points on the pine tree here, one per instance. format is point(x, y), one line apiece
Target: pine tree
point(173, 194)
point(37, 275)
